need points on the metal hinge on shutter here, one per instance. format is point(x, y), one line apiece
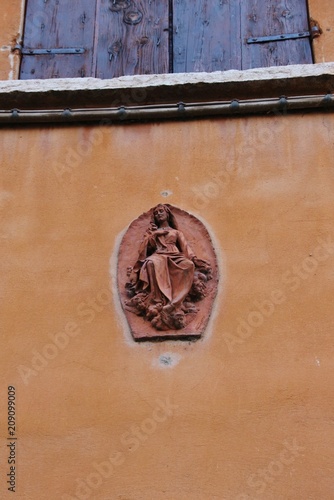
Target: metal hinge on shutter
point(38, 52)
point(314, 32)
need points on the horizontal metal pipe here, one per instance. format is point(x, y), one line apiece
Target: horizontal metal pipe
point(165, 112)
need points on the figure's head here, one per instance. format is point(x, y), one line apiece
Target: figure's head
point(178, 318)
point(162, 214)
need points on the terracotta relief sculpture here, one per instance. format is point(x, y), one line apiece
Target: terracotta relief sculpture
point(166, 280)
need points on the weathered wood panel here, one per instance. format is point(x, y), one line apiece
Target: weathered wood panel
point(129, 37)
point(59, 24)
point(133, 38)
point(274, 17)
point(206, 35)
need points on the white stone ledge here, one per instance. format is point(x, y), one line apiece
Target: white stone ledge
point(170, 80)
point(311, 79)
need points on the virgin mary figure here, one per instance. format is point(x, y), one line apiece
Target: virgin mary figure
point(164, 273)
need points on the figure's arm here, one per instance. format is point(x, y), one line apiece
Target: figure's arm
point(152, 234)
point(201, 265)
point(146, 247)
point(150, 238)
point(184, 247)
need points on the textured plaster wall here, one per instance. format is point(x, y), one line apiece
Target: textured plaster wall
point(11, 19)
point(322, 11)
point(246, 413)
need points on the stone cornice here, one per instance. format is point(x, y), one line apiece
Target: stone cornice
point(166, 90)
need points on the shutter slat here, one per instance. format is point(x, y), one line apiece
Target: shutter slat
point(58, 24)
point(206, 35)
point(132, 38)
point(274, 17)
point(213, 35)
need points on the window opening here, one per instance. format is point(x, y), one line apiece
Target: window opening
point(110, 38)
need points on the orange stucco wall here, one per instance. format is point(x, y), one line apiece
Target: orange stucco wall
point(243, 414)
point(249, 407)
point(11, 17)
point(322, 11)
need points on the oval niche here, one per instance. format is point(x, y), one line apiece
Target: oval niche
point(167, 275)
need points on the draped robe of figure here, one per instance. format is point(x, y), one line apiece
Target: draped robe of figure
point(169, 256)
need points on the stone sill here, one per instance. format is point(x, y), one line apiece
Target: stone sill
point(143, 90)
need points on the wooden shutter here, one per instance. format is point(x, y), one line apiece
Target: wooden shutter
point(110, 38)
point(133, 37)
point(211, 35)
point(274, 17)
point(58, 24)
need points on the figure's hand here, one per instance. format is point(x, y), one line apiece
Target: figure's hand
point(151, 229)
point(161, 232)
point(203, 266)
point(196, 261)
point(156, 230)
